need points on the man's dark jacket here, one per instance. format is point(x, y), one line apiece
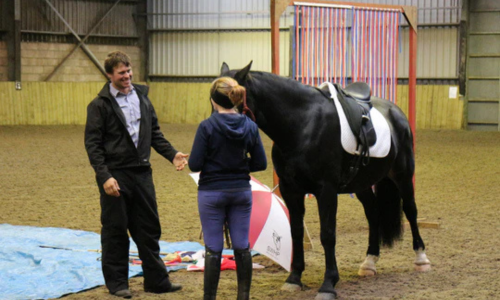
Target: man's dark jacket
point(108, 142)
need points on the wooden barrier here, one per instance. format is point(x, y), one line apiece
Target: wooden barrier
point(46, 103)
point(435, 110)
point(184, 103)
point(65, 103)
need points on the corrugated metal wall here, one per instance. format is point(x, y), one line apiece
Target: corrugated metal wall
point(202, 53)
point(193, 37)
point(203, 14)
point(37, 16)
point(437, 53)
point(429, 11)
point(214, 14)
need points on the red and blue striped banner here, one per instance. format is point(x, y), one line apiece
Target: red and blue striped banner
point(343, 45)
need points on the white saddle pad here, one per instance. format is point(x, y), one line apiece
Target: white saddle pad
point(382, 145)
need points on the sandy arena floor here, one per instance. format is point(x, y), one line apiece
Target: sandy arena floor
point(46, 180)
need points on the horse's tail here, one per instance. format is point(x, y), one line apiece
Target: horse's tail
point(390, 212)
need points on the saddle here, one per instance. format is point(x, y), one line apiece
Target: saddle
point(355, 101)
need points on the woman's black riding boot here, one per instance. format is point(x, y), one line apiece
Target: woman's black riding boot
point(211, 275)
point(243, 260)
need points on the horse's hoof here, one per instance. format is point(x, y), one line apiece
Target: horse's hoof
point(423, 268)
point(368, 267)
point(325, 296)
point(290, 287)
point(422, 263)
point(367, 272)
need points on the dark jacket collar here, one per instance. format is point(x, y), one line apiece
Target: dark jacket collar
point(142, 91)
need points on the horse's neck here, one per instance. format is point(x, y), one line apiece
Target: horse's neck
point(280, 107)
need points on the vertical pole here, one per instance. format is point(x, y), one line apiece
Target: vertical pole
point(412, 87)
point(410, 13)
point(462, 57)
point(275, 38)
point(275, 61)
point(412, 84)
point(142, 27)
point(17, 39)
point(13, 13)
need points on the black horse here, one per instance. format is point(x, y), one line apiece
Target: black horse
point(308, 158)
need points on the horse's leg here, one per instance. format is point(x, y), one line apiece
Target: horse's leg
point(295, 202)
point(368, 199)
point(327, 207)
point(422, 264)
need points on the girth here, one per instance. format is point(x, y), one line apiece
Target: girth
point(355, 100)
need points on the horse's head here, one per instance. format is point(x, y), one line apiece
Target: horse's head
point(244, 78)
point(241, 76)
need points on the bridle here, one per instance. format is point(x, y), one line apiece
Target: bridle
point(246, 109)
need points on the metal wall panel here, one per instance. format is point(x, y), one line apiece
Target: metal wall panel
point(437, 53)
point(484, 90)
point(187, 53)
point(480, 67)
point(429, 11)
point(483, 66)
point(199, 14)
point(484, 44)
point(484, 22)
point(483, 113)
point(484, 5)
point(244, 14)
point(183, 54)
point(202, 53)
point(37, 16)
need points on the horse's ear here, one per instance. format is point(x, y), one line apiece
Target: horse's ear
point(242, 74)
point(224, 68)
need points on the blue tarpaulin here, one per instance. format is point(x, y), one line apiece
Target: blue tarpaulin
point(28, 271)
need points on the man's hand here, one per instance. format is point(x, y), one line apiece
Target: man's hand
point(111, 187)
point(180, 161)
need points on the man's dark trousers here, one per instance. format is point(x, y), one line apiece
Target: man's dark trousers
point(136, 210)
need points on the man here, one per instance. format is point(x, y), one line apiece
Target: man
point(121, 128)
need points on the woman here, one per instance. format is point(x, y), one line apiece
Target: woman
point(226, 148)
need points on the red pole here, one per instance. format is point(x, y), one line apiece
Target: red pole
point(275, 40)
point(412, 83)
point(412, 87)
point(275, 60)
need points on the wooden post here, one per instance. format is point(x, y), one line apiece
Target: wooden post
point(277, 8)
point(412, 82)
point(13, 14)
point(410, 14)
point(142, 27)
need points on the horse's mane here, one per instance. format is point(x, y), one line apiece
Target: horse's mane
point(275, 77)
point(277, 81)
point(293, 90)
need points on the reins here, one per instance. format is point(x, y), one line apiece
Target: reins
point(246, 109)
